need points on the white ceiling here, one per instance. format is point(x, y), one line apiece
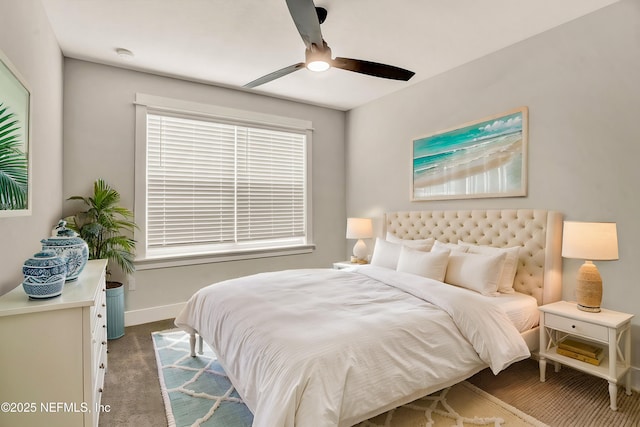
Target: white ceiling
point(232, 42)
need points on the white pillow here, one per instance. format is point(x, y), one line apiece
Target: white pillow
point(505, 284)
point(420, 244)
point(427, 264)
point(440, 246)
point(385, 254)
point(477, 272)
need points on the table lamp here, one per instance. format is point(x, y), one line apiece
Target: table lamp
point(359, 228)
point(590, 241)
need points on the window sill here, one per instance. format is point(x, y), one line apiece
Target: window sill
point(184, 260)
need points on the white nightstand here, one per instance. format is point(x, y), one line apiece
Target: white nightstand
point(613, 329)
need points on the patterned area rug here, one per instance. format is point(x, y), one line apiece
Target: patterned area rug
point(197, 392)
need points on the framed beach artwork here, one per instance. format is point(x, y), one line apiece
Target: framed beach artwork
point(15, 170)
point(483, 158)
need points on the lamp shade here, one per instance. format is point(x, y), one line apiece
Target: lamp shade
point(593, 241)
point(359, 228)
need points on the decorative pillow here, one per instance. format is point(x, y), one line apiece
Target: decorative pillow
point(440, 246)
point(427, 264)
point(477, 272)
point(505, 284)
point(385, 254)
point(420, 244)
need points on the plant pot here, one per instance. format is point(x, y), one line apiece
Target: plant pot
point(115, 310)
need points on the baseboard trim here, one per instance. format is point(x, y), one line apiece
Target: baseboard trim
point(152, 314)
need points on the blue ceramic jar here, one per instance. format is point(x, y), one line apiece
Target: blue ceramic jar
point(44, 275)
point(43, 265)
point(69, 246)
point(42, 288)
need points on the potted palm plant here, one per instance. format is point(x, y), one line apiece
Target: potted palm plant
point(106, 228)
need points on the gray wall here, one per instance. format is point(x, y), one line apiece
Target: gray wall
point(580, 82)
point(99, 121)
point(27, 40)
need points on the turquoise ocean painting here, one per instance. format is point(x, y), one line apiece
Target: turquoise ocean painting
point(486, 158)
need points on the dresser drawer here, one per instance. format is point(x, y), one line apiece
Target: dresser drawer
point(99, 342)
point(98, 386)
point(99, 309)
point(100, 369)
point(577, 327)
point(98, 317)
point(99, 349)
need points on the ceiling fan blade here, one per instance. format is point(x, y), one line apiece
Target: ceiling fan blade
point(373, 68)
point(275, 75)
point(307, 21)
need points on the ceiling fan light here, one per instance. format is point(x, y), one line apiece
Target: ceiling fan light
point(318, 66)
point(318, 59)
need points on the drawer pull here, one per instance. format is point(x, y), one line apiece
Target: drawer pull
point(573, 326)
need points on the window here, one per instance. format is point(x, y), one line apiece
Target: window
point(219, 182)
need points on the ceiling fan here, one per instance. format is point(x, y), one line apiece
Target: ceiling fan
point(308, 18)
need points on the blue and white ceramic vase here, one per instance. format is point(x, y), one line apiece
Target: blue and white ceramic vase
point(43, 265)
point(43, 288)
point(66, 243)
point(44, 275)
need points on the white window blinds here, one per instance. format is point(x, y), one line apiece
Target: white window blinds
point(223, 185)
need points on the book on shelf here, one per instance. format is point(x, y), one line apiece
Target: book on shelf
point(579, 356)
point(580, 347)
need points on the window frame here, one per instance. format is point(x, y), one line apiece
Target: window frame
point(144, 104)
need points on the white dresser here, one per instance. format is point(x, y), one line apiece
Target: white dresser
point(53, 354)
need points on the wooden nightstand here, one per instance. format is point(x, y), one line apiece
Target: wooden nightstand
point(562, 319)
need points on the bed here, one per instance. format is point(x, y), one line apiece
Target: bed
point(326, 347)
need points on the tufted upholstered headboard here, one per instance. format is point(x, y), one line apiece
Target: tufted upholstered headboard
point(539, 232)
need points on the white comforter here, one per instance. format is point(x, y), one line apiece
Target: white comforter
point(332, 347)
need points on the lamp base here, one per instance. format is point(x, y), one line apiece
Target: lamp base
point(589, 309)
point(360, 250)
point(589, 288)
